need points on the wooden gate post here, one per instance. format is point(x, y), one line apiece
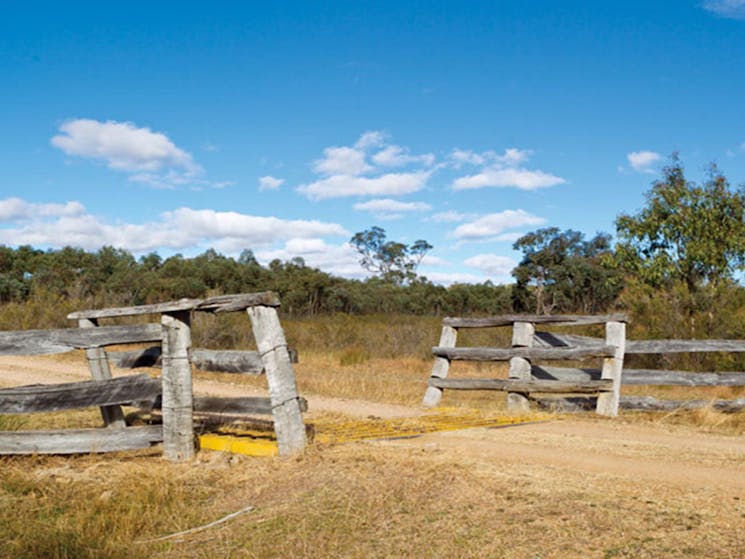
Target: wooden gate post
point(522, 336)
point(178, 426)
point(99, 366)
point(286, 406)
point(433, 394)
point(615, 335)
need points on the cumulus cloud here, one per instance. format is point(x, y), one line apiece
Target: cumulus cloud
point(450, 216)
point(492, 264)
point(386, 208)
point(340, 259)
point(397, 156)
point(363, 169)
point(734, 9)
point(500, 170)
point(179, 229)
point(390, 184)
point(148, 157)
point(270, 183)
point(16, 209)
point(643, 161)
point(492, 227)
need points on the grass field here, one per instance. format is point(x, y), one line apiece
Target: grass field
point(639, 486)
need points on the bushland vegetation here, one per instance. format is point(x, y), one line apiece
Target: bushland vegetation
point(676, 267)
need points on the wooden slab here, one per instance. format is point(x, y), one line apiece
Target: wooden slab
point(513, 385)
point(557, 320)
point(79, 441)
point(504, 354)
point(219, 304)
point(72, 395)
point(42, 342)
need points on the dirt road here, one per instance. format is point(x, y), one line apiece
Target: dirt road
point(674, 456)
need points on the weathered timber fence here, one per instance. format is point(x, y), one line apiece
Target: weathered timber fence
point(173, 393)
point(653, 377)
point(102, 391)
point(529, 381)
point(523, 353)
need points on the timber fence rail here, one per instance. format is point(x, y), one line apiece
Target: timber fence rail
point(530, 346)
point(172, 394)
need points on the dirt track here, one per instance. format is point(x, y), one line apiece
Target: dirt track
point(678, 457)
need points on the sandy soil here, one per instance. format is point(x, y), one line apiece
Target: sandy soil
point(645, 454)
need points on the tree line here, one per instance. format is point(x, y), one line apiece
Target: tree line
point(682, 252)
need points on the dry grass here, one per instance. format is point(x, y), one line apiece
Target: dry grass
point(365, 500)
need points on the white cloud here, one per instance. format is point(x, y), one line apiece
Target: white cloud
point(524, 179)
point(391, 184)
point(340, 260)
point(16, 209)
point(148, 157)
point(493, 226)
point(122, 145)
point(182, 228)
point(450, 216)
point(500, 170)
point(270, 183)
point(396, 156)
point(643, 161)
point(342, 161)
point(491, 264)
point(387, 208)
point(734, 9)
point(361, 170)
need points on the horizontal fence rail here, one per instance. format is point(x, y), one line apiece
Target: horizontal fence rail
point(41, 342)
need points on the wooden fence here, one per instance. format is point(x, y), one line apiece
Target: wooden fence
point(173, 392)
point(532, 380)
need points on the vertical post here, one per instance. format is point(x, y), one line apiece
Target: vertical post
point(178, 426)
point(522, 336)
point(440, 369)
point(615, 335)
point(286, 410)
point(99, 365)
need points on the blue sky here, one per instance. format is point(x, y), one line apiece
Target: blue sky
point(286, 127)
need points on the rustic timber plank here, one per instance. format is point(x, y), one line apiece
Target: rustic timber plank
point(222, 361)
point(522, 336)
point(72, 395)
point(286, 409)
point(42, 342)
point(510, 385)
point(221, 303)
point(557, 320)
point(648, 403)
point(433, 394)
point(638, 377)
point(178, 426)
point(615, 336)
point(79, 441)
point(239, 302)
point(247, 405)
point(683, 346)
point(99, 366)
point(505, 354)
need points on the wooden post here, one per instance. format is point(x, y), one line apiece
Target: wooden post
point(440, 369)
point(99, 365)
point(522, 336)
point(286, 403)
point(178, 426)
point(615, 335)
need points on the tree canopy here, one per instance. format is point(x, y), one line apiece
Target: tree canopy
point(692, 233)
point(392, 261)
